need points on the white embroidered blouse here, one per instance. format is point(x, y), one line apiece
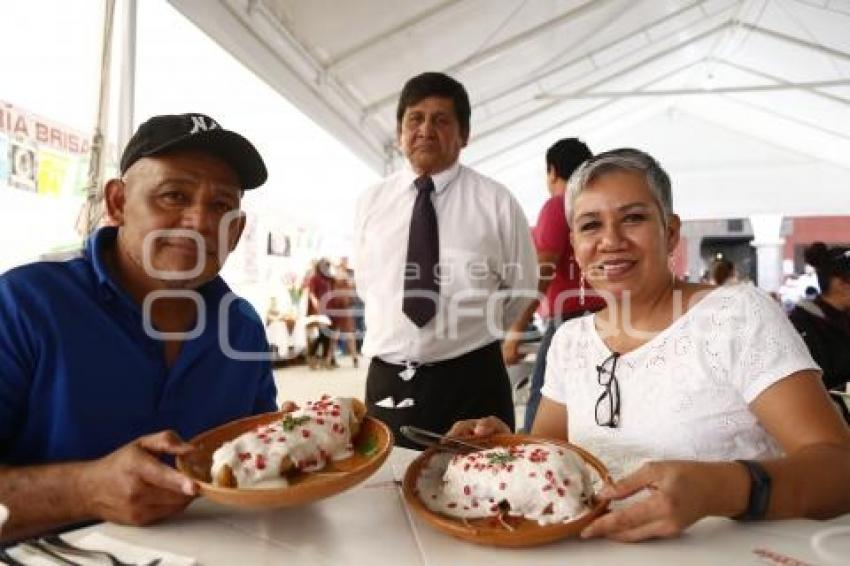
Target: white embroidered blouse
point(684, 394)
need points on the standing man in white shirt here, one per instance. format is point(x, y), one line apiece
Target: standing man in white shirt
point(444, 257)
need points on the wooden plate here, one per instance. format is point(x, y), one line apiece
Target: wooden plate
point(372, 445)
point(489, 530)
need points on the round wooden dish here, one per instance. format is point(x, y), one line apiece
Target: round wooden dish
point(489, 530)
point(372, 445)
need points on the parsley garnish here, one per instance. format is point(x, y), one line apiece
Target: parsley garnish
point(289, 422)
point(369, 447)
point(500, 458)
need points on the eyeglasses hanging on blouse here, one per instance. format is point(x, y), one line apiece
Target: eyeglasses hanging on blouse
point(608, 404)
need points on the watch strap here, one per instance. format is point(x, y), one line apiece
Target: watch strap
point(760, 487)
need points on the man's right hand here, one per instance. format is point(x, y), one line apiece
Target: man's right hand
point(131, 485)
point(510, 349)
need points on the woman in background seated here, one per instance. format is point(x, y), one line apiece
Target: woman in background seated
point(711, 384)
point(824, 322)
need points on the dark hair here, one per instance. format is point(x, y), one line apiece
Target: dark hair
point(828, 263)
point(566, 155)
point(422, 86)
point(721, 270)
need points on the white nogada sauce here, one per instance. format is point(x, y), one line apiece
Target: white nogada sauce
point(541, 482)
point(324, 435)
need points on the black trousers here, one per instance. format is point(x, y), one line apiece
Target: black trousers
point(471, 386)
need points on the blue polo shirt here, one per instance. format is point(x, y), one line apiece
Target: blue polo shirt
point(79, 377)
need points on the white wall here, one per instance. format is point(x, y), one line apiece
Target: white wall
point(31, 225)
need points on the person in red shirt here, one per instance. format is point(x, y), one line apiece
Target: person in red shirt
point(320, 286)
point(560, 277)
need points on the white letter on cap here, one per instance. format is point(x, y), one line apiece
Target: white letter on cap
point(199, 124)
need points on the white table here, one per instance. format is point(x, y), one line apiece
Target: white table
point(371, 525)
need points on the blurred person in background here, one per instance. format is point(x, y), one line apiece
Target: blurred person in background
point(320, 287)
point(722, 272)
point(824, 321)
point(560, 276)
point(342, 310)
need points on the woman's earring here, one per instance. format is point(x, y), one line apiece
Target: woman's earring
point(581, 291)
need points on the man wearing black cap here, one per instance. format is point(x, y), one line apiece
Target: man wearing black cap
point(109, 360)
point(560, 277)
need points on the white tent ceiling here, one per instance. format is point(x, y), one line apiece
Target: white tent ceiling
point(746, 102)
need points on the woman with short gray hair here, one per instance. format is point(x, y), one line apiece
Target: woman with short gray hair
point(703, 398)
point(624, 159)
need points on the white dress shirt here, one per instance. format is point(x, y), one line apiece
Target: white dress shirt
point(488, 266)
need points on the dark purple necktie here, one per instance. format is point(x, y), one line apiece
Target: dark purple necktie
point(421, 286)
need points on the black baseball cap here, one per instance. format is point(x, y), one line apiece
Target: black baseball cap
point(171, 132)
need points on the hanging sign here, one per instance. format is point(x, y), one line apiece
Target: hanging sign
point(40, 155)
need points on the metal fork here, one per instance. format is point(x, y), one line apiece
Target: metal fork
point(7, 558)
point(41, 548)
point(448, 443)
point(58, 543)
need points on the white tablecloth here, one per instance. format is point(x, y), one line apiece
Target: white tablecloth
point(371, 525)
